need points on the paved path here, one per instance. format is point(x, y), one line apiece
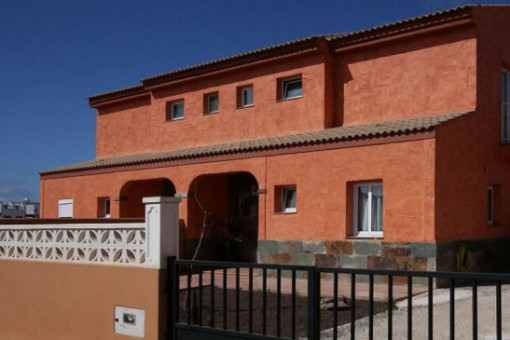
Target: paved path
point(463, 317)
point(344, 287)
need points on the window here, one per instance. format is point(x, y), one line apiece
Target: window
point(103, 207)
point(490, 205)
point(368, 209)
point(505, 106)
point(291, 88)
point(211, 103)
point(65, 208)
point(245, 96)
point(175, 110)
point(289, 197)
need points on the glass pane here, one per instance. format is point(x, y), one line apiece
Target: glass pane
point(363, 208)
point(213, 103)
point(293, 88)
point(247, 96)
point(178, 110)
point(377, 208)
point(290, 198)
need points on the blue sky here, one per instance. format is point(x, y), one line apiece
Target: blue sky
point(54, 54)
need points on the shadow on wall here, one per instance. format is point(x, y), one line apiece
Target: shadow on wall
point(133, 192)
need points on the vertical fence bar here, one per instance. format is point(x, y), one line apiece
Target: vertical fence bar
point(278, 301)
point(371, 306)
point(237, 298)
point(452, 309)
point(499, 334)
point(353, 306)
point(314, 291)
point(430, 308)
point(293, 325)
point(250, 300)
point(188, 294)
point(212, 298)
point(335, 308)
point(264, 300)
point(200, 295)
point(475, 309)
point(225, 291)
point(390, 306)
point(172, 298)
point(409, 307)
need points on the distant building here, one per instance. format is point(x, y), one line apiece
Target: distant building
point(24, 209)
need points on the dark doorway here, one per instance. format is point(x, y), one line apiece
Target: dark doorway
point(229, 205)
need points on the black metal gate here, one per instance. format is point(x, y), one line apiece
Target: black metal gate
point(224, 300)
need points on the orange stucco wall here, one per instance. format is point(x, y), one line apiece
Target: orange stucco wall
point(469, 150)
point(434, 189)
point(322, 179)
point(141, 126)
point(42, 300)
point(431, 74)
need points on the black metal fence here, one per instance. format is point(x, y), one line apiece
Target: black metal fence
point(224, 300)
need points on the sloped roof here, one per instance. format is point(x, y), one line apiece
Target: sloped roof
point(287, 47)
point(327, 136)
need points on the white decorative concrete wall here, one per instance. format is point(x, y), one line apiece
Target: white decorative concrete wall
point(140, 244)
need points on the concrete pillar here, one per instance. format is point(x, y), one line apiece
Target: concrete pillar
point(162, 229)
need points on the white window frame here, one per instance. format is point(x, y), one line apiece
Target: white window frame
point(355, 228)
point(285, 84)
point(65, 208)
point(243, 94)
point(490, 205)
point(505, 106)
point(285, 193)
point(173, 109)
point(208, 105)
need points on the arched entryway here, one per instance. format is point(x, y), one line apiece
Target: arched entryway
point(228, 204)
point(133, 192)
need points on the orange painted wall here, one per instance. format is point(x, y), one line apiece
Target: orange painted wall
point(426, 75)
point(43, 300)
point(143, 128)
point(322, 177)
point(469, 150)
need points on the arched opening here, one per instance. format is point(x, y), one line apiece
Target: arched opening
point(225, 206)
point(133, 192)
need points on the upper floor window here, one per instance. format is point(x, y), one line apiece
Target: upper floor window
point(175, 110)
point(245, 96)
point(291, 88)
point(505, 106)
point(368, 209)
point(211, 103)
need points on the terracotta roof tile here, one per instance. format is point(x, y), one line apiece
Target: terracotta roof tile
point(333, 135)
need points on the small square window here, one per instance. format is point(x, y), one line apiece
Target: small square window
point(175, 110)
point(103, 207)
point(291, 88)
point(245, 96)
point(211, 103)
point(286, 197)
point(368, 209)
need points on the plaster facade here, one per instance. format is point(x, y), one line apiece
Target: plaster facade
point(434, 179)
